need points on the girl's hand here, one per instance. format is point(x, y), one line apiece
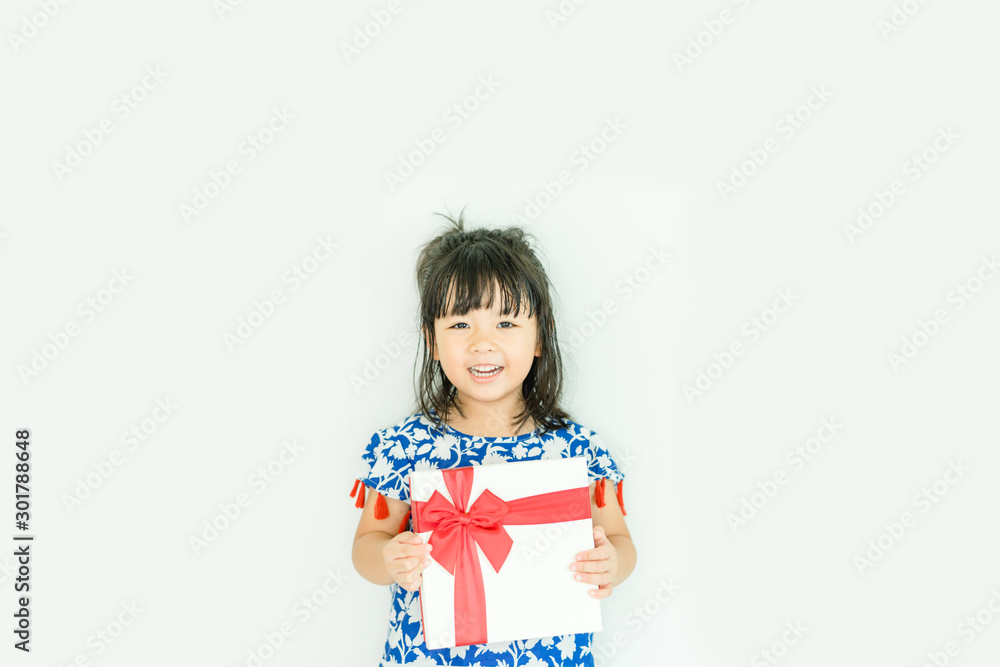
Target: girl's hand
point(406, 556)
point(598, 565)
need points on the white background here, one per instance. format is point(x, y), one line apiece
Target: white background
point(690, 462)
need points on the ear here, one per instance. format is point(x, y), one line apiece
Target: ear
point(538, 347)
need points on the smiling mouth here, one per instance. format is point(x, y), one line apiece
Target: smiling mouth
point(485, 371)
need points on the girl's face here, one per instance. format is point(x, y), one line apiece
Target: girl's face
point(483, 340)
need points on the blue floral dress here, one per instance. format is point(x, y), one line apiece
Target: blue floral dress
point(413, 444)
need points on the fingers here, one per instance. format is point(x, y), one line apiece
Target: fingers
point(408, 572)
point(591, 566)
point(406, 557)
point(602, 592)
point(411, 580)
point(408, 564)
point(596, 567)
point(408, 537)
point(395, 552)
point(599, 578)
point(598, 553)
point(403, 547)
point(415, 563)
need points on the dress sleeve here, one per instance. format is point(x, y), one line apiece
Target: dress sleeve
point(602, 467)
point(385, 466)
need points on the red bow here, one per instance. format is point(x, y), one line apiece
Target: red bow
point(456, 533)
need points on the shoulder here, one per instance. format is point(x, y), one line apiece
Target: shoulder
point(592, 437)
point(389, 454)
point(414, 428)
point(585, 441)
point(572, 439)
point(571, 430)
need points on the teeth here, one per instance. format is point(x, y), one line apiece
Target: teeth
point(480, 373)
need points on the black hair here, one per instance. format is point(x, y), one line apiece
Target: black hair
point(468, 265)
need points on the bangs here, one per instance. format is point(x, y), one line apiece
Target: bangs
point(475, 283)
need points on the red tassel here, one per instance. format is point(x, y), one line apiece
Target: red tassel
point(360, 502)
point(621, 502)
point(599, 492)
point(381, 509)
point(402, 524)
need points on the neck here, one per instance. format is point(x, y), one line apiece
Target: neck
point(488, 421)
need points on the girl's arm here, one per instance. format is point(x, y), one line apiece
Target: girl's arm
point(373, 535)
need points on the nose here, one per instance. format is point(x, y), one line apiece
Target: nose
point(484, 343)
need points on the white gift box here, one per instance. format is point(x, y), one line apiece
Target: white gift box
point(521, 525)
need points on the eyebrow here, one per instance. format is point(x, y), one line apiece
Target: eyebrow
point(524, 314)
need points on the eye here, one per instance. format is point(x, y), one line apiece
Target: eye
point(512, 325)
point(457, 324)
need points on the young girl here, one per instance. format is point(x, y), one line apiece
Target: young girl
point(488, 392)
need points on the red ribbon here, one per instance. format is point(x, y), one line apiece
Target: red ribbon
point(456, 532)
